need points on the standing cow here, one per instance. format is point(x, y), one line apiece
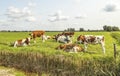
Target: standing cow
point(37, 33)
point(90, 39)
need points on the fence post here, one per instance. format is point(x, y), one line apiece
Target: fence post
point(114, 51)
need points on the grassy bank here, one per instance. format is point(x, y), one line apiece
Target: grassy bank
point(60, 65)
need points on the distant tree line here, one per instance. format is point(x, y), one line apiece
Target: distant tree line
point(105, 28)
point(110, 28)
point(70, 29)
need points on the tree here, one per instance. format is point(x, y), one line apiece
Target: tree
point(81, 29)
point(105, 27)
point(70, 29)
point(109, 28)
point(114, 28)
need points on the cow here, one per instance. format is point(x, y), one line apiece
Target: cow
point(22, 42)
point(91, 39)
point(64, 39)
point(56, 36)
point(70, 48)
point(36, 33)
point(68, 33)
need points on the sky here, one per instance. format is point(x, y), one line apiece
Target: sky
point(58, 14)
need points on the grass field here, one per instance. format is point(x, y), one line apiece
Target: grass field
point(49, 46)
point(51, 58)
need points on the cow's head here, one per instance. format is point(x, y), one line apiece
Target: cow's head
point(56, 36)
point(81, 39)
point(60, 47)
point(68, 39)
point(27, 41)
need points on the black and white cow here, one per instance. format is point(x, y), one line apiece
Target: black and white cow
point(64, 39)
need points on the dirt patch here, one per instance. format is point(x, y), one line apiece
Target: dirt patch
point(6, 72)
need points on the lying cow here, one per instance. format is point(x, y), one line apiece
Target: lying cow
point(90, 39)
point(70, 48)
point(22, 42)
point(63, 33)
point(64, 39)
point(36, 33)
point(56, 36)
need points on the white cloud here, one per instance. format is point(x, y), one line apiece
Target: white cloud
point(2, 21)
point(80, 16)
point(31, 19)
point(26, 14)
point(77, 1)
point(58, 16)
point(30, 4)
point(111, 7)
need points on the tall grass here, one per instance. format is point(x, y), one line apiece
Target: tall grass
point(60, 65)
point(116, 36)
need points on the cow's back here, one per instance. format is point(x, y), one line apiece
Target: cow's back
point(38, 33)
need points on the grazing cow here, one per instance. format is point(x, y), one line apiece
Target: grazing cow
point(64, 39)
point(70, 48)
point(22, 42)
point(37, 33)
point(90, 39)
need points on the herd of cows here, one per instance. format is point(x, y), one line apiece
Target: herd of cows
point(66, 38)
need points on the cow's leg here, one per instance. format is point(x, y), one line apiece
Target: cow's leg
point(103, 47)
point(34, 36)
point(24, 44)
point(44, 37)
point(85, 46)
point(34, 41)
point(29, 43)
point(15, 44)
point(75, 49)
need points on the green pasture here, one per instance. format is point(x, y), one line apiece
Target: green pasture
point(42, 58)
point(48, 47)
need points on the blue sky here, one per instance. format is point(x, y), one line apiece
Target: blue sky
point(58, 14)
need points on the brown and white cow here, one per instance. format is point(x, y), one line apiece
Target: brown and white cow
point(91, 39)
point(22, 42)
point(70, 48)
point(68, 33)
point(37, 33)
